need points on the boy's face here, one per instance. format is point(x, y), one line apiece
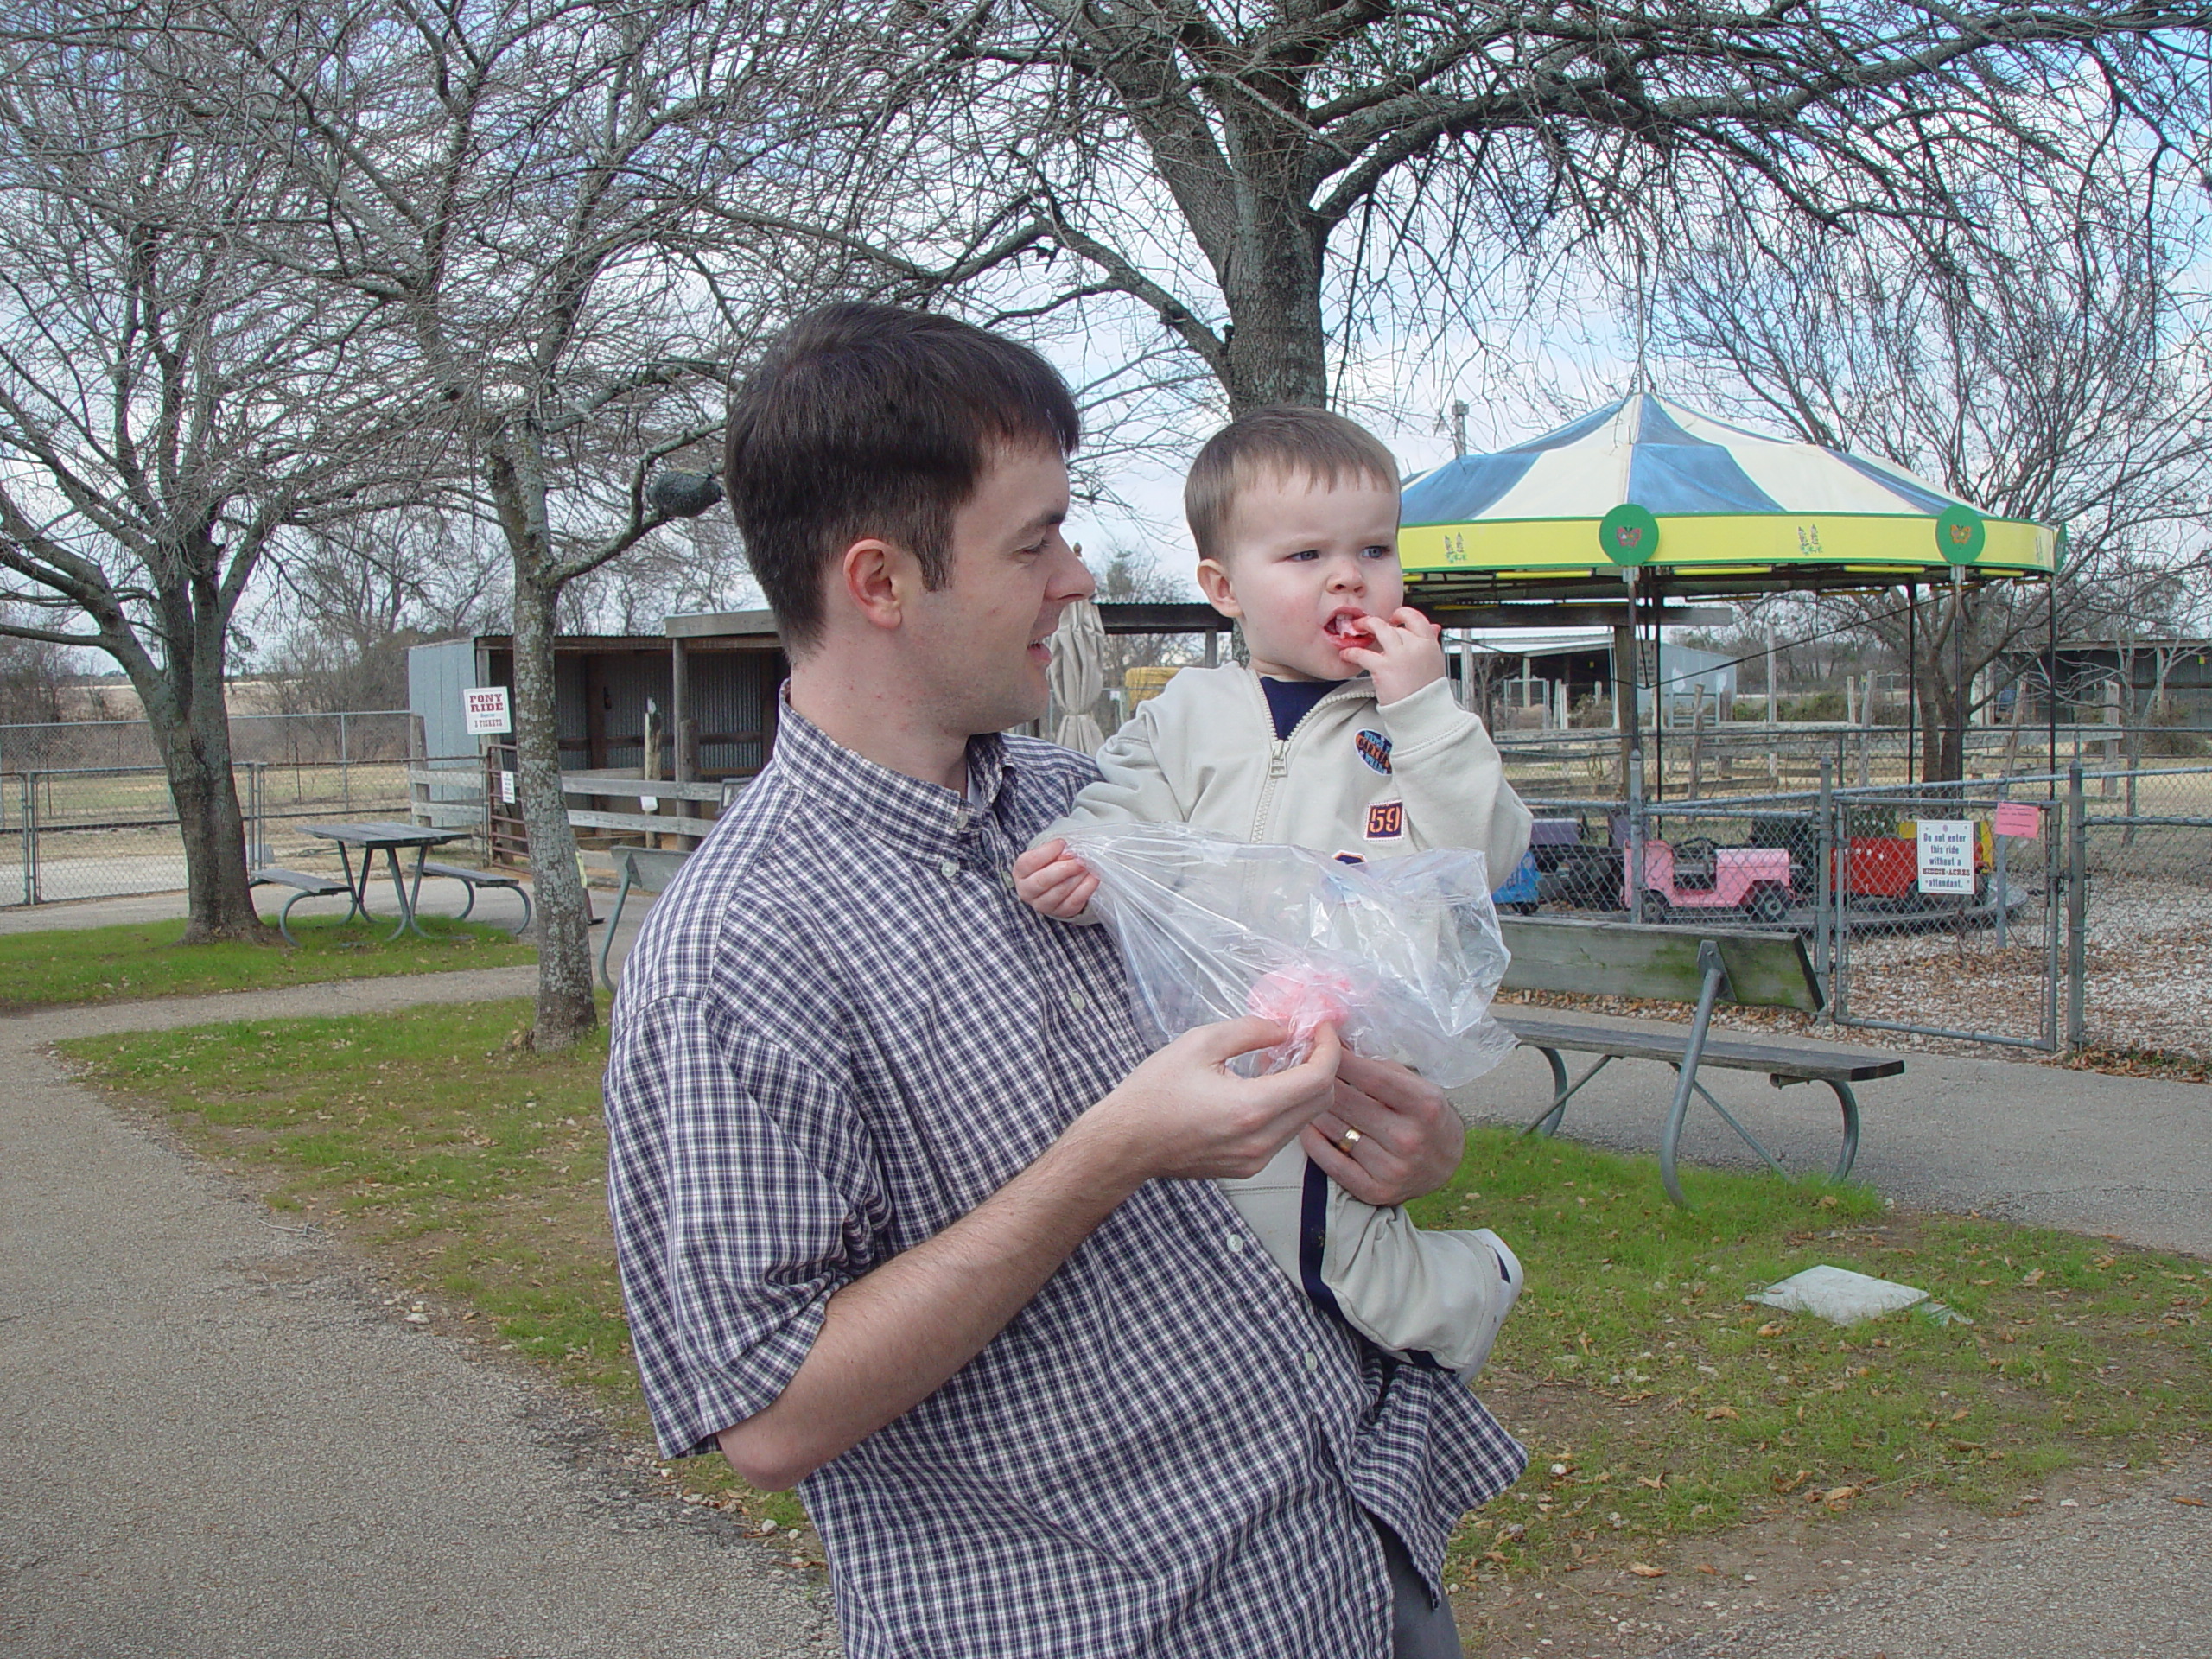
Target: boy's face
point(1299, 560)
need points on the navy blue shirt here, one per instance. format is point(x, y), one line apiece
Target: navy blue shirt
point(1291, 700)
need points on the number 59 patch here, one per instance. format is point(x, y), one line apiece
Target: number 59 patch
point(1386, 821)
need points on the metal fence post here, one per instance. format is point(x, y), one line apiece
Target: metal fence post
point(1635, 835)
point(30, 838)
point(256, 813)
point(1823, 910)
point(2077, 907)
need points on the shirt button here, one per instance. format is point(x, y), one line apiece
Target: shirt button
point(1312, 1360)
point(949, 869)
point(1235, 1242)
point(1077, 1000)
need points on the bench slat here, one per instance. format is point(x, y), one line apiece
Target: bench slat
point(474, 877)
point(1668, 1043)
point(300, 879)
point(1769, 970)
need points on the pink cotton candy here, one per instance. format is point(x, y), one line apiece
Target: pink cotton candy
point(1302, 999)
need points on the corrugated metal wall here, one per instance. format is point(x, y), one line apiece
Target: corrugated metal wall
point(731, 694)
point(602, 687)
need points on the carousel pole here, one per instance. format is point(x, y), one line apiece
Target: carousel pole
point(1912, 680)
point(2051, 676)
point(1632, 773)
point(1961, 695)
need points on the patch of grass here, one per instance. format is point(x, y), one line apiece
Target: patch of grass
point(1657, 1403)
point(135, 961)
point(474, 1170)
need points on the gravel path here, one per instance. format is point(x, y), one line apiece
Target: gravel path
point(220, 1444)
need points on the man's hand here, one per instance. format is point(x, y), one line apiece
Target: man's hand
point(1409, 1137)
point(1183, 1115)
point(1054, 882)
point(1407, 652)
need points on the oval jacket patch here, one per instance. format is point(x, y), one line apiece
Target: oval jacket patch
point(1375, 749)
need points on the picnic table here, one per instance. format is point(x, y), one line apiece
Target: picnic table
point(390, 839)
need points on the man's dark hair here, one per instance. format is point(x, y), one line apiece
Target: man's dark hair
point(868, 420)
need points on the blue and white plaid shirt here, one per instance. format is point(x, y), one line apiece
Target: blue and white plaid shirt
point(839, 1031)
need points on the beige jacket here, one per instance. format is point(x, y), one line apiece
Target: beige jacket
point(1356, 776)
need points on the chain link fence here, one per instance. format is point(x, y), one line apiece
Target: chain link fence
point(86, 810)
point(2075, 907)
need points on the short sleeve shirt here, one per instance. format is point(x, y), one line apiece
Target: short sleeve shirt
point(840, 1032)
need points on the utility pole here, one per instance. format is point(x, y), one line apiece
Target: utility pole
point(1458, 429)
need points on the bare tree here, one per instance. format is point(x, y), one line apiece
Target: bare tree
point(1259, 181)
point(2032, 365)
point(32, 673)
point(168, 406)
point(522, 187)
point(352, 600)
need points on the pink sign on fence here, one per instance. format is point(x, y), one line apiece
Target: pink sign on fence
point(2019, 818)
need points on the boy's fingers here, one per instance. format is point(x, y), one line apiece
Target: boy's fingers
point(1038, 857)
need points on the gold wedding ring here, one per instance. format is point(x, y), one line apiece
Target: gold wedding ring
point(1352, 1138)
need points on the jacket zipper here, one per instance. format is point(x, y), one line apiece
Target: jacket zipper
point(1279, 759)
point(1278, 765)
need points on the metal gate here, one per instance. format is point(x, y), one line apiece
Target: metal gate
point(1986, 964)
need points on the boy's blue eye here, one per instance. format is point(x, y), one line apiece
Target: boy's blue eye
point(1378, 552)
point(1307, 554)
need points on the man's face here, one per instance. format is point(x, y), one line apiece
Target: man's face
point(1299, 560)
point(982, 635)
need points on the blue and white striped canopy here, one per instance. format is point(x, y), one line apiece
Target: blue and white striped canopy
point(1668, 458)
point(1729, 503)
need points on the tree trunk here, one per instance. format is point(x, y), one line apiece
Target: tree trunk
point(187, 709)
point(1943, 718)
point(196, 754)
point(1277, 348)
point(566, 1009)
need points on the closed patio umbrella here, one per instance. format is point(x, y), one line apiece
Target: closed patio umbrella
point(1077, 676)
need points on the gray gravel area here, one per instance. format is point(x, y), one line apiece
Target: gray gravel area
point(2112, 1578)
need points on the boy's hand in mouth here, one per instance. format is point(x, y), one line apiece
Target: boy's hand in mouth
point(1406, 652)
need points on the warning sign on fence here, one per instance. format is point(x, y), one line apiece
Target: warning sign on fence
point(1947, 855)
point(2019, 818)
point(485, 707)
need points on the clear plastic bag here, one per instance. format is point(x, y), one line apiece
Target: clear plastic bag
point(1402, 954)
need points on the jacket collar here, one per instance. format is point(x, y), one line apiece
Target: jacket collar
point(911, 812)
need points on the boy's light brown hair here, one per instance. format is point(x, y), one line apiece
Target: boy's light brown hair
point(1286, 440)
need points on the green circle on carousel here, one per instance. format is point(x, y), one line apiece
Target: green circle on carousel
point(1960, 534)
point(1629, 534)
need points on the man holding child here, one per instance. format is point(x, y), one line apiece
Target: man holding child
point(904, 1210)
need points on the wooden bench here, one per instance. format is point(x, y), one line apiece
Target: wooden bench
point(309, 885)
point(476, 881)
point(1702, 965)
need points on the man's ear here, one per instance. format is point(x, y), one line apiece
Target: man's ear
point(879, 579)
point(1214, 583)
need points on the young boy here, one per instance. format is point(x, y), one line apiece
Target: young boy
point(1343, 736)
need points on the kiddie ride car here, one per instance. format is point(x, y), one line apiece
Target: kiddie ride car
point(1701, 877)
